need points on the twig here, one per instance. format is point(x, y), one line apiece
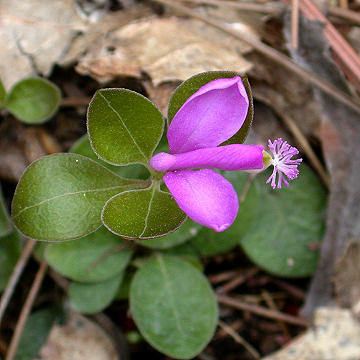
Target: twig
point(261, 311)
point(239, 339)
point(275, 8)
point(272, 305)
point(237, 281)
point(223, 276)
point(291, 289)
point(25, 311)
point(347, 56)
point(271, 53)
point(75, 101)
point(267, 8)
point(14, 278)
point(346, 14)
point(295, 24)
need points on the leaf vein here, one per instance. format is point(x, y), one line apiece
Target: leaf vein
point(167, 283)
point(68, 194)
point(148, 213)
point(108, 102)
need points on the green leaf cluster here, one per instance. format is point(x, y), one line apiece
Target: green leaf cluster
point(102, 193)
point(33, 100)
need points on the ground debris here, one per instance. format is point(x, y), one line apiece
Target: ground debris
point(336, 335)
point(149, 45)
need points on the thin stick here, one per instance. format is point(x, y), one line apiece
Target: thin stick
point(239, 339)
point(271, 53)
point(272, 305)
point(295, 24)
point(25, 311)
point(261, 311)
point(223, 276)
point(267, 8)
point(237, 281)
point(14, 278)
point(346, 14)
point(275, 8)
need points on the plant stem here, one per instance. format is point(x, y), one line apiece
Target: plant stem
point(25, 311)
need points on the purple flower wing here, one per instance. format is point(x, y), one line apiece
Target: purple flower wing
point(229, 157)
point(205, 196)
point(210, 116)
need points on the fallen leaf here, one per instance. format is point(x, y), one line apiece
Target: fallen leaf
point(78, 339)
point(347, 278)
point(335, 335)
point(34, 35)
point(167, 49)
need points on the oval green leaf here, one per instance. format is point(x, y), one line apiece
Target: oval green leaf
point(124, 127)
point(93, 258)
point(186, 231)
point(60, 197)
point(82, 146)
point(282, 230)
point(33, 100)
point(193, 84)
point(142, 214)
point(173, 306)
point(93, 298)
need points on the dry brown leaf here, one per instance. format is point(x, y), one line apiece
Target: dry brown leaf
point(34, 35)
point(347, 278)
point(336, 335)
point(78, 339)
point(37, 34)
point(167, 49)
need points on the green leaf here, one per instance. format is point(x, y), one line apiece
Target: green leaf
point(281, 227)
point(10, 248)
point(124, 126)
point(123, 292)
point(173, 306)
point(93, 258)
point(82, 146)
point(142, 214)
point(186, 231)
point(93, 298)
point(2, 93)
point(209, 243)
point(60, 197)
point(36, 332)
point(190, 86)
point(5, 223)
point(186, 252)
point(33, 100)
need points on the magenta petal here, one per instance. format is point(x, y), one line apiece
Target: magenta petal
point(230, 157)
point(205, 196)
point(209, 117)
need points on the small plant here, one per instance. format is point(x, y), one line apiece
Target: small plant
point(172, 205)
point(32, 100)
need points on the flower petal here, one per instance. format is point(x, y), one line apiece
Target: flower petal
point(209, 117)
point(229, 157)
point(205, 196)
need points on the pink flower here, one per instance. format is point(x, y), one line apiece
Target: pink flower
point(207, 119)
